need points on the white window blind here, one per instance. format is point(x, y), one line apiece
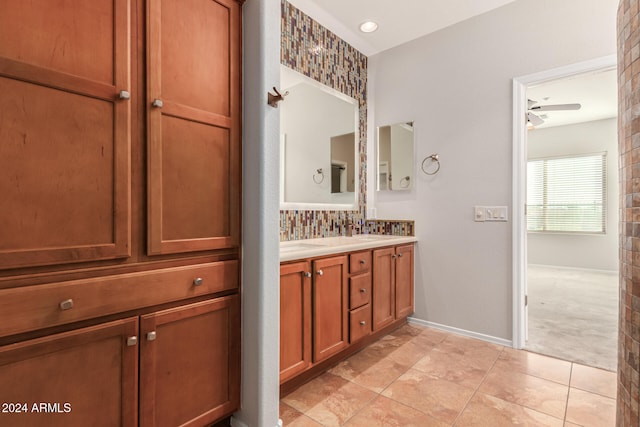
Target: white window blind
point(567, 194)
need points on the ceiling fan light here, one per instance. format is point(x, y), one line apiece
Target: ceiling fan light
point(368, 26)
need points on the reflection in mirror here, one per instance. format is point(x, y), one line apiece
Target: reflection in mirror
point(395, 156)
point(318, 128)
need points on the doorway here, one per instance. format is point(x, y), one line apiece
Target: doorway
point(553, 259)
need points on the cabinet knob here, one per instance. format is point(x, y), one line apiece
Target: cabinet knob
point(363, 262)
point(151, 336)
point(363, 290)
point(124, 94)
point(400, 254)
point(362, 322)
point(393, 256)
point(319, 273)
point(307, 274)
point(157, 103)
point(197, 281)
point(131, 341)
point(66, 304)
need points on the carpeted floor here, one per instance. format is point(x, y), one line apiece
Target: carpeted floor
point(573, 315)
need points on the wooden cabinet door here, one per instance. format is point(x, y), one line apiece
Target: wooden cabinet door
point(194, 112)
point(295, 319)
point(64, 131)
point(404, 281)
point(384, 271)
point(86, 377)
point(330, 307)
point(190, 363)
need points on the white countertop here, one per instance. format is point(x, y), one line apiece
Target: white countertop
point(309, 248)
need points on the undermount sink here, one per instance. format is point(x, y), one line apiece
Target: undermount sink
point(299, 247)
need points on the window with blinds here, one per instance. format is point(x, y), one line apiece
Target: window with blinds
point(567, 194)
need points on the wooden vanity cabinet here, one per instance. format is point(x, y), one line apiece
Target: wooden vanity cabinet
point(330, 307)
point(295, 319)
point(392, 284)
point(359, 295)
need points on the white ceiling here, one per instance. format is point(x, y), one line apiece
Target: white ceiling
point(597, 93)
point(399, 20)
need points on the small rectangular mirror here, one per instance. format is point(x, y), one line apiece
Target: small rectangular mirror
point(395, 156)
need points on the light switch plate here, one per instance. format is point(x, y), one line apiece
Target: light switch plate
point(479, 213)
point(496, 213)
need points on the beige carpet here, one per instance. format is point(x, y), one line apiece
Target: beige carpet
point(573, 315)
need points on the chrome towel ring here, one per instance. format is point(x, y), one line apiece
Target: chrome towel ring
point(318, 177)
point(434, 158)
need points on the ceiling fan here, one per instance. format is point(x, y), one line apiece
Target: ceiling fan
point(536, 120)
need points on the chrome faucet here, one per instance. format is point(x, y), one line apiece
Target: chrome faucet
point(349, 228)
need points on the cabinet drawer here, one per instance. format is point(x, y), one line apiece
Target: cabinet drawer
point(35, 307)
point(359, 323)
point(359, 290)
point(359, 262)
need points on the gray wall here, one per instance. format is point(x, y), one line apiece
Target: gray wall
point(456, 84)
point(260, 235)
point(598, 252)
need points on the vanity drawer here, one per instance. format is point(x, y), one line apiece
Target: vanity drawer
point(359, 323)
point(35, 307)
point(359, 262)
point(359, 290)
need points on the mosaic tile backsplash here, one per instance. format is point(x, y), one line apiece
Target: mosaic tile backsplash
point(310, 49)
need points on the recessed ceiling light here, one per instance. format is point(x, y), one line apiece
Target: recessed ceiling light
point(368, 27)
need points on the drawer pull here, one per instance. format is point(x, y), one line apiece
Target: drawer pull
point(307, 274)
point(320, 273)
point(197, 281)
point(157, 103)
point(124, 94)
point(363, 262)
point(131, 341)
point(66, 304)
point(151, 336)
point(362, 322)
point(363, 290)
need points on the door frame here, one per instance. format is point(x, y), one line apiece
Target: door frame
point(519, 196)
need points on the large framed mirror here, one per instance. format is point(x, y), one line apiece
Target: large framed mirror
point(319, 132)
point(395, 157)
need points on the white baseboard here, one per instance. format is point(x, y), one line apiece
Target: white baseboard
point(237, 423)
point(463, 332)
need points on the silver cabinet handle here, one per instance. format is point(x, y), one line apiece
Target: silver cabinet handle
point(319, 273)
point(363, 262)
point(400, 254)
point(363, 290)
point(197, 281)
point(307, 274)
point(131, 341)
point(362, 322)
point(157, 103)
point(66, 304)
point(151, 336)
point(124, 94)
point(393, 256)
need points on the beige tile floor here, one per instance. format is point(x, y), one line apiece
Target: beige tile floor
point(420, 376)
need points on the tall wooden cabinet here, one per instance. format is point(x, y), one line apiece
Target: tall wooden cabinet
point(120, 166)
point(392, 284)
